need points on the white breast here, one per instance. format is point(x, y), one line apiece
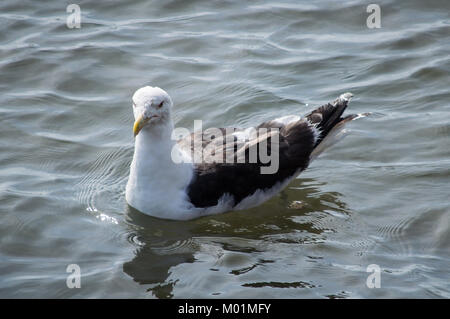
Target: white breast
point(156, 185)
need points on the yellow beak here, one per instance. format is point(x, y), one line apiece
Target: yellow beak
point(139, 124)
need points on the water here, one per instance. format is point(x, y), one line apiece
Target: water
point(381, 196)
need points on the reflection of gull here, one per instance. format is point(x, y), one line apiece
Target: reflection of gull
point(159, 249)
point(166, 250)
point(162, 187)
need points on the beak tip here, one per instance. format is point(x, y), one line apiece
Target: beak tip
point(139, 124)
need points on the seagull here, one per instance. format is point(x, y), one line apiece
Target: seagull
point(220, 170)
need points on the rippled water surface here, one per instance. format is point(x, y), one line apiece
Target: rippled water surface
point(381, 196)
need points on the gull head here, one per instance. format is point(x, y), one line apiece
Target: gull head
point(151, 106)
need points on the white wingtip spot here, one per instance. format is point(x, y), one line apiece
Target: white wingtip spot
point(346, 96)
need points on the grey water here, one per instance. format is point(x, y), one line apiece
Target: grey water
point(379, 197)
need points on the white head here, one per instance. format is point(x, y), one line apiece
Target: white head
point(151, 106)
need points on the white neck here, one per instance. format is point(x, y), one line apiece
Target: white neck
point(156, 185)
point(154, 141)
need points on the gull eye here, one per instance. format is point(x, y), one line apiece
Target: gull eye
point(161, 104)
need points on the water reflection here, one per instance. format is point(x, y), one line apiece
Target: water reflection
point(159, 247)
point(163, 244)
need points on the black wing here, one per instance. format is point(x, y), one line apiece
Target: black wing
point(296, 142)
point(214, 179)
